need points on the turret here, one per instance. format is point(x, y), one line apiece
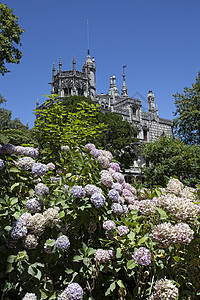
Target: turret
point(90, 71)
point(151, 101)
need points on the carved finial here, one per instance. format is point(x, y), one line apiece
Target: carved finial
point(37, 104)
point(53, 70)
point(27, 123)
point(60, 66)
point(88, 51)
point(74, 64)
point(124, 88)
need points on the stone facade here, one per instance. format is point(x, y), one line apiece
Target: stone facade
point(148, 124)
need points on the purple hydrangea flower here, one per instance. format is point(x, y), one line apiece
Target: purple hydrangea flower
point(104, 161)
point(29, 151)
point(125, 209)
point(115, 166)
point(90, 147)
point(65, 148)
point(62, 242)
point(109, 225)
point(129, 187)
point(117, 186)
point(30, 296)
point(38, 169)
point(8, 148)
point(74, 291)
point(142, 256)
point(98, 200)
point(26, 218)
point(117, 209)
point(113, 195)
point(164, 289)
point(19, 230)
point(78, 191)
point(50, 166)
point(1, 164)
point(34, 205)
point(95, 152)
point(118, 177)
point(91, 189)
point(103, 256)
point(26, 163)
point(41, 189)
point(122, 230)
point(106, 179)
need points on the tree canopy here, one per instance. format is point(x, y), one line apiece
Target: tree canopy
point(169, 157)
point(76, 118)
point(10, 36)
point(12, 131)
point(187, 121)
point(118, 138)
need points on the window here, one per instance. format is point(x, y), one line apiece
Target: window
point(145, 135)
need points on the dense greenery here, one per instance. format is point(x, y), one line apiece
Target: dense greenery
point(58, 124)
point(12, 131)
point(187, 121)
point(79, 119)
point(10, 35)
point(118, 138)
point(168, 157)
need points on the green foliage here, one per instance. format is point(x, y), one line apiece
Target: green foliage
point(58, 125)
point(10, 35)
point(187, 122)
point(117, 135)
point(118, 138)
point(167, 157)
point(12, 131)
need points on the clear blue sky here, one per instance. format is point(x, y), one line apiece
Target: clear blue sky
point(158, 40)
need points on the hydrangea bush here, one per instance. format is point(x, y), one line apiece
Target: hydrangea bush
point(87, 234)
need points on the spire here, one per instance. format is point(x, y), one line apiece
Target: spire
point(74, 65)
point(27, 123)
point(157, 110)
point(60, 66)
point(53, 70)
point(111, 82)
point(37, 104)
point(124, 88)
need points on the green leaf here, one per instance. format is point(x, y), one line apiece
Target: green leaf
point(142, 240)
point(43, 294)
point(14, 185)
point(11, 258)
point(61, 214)
point(162, 213)
point(77, 258)
point(131, 264)
point(120, 283)
point(119, 253)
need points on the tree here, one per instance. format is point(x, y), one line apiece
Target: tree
point(12, 131)
point(10, 35)
point(168, 157)
point(187, 122)
point(57, 125)
point(118, 138)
